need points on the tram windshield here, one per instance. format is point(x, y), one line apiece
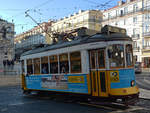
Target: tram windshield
point(117, 56)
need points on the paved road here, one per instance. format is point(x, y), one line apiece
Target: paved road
point(143, 81)
point(13, 101)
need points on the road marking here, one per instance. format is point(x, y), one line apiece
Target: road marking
point(22, 103)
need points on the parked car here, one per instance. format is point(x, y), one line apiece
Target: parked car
point(137, 67)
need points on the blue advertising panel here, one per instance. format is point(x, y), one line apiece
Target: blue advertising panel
point(76, 83)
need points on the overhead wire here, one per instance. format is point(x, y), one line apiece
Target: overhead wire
point(38, 9)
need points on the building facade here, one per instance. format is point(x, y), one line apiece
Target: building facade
point(6, 41)
point(41, 29)
point(133, 15)
point(90, 19)
point(33, 37)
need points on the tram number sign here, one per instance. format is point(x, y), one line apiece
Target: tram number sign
point(114, 76)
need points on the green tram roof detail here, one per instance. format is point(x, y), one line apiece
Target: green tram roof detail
point(81, 40)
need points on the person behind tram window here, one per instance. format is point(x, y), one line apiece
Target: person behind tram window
point(54, 68)
point(64, 67)
point(63, 70)
point(44, 70)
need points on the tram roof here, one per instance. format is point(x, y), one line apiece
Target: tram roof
point(81, 40)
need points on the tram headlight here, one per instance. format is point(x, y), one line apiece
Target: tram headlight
point(132, 83)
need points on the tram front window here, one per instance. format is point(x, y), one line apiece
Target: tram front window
point(129, 55)
point(116, 56)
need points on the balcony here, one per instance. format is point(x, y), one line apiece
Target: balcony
point(136, 49)
point(146, 34)
point(128, 13)
point(146, 48)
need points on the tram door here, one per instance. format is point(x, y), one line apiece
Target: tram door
point(98, 73)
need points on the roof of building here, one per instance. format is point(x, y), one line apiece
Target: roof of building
point(124, 3)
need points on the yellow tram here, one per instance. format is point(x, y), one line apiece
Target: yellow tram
point(98, 66)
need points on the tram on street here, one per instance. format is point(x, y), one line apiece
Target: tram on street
point(97, 67)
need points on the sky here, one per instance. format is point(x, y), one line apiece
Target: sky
point(44, 10)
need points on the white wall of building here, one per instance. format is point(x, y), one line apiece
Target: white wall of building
point(130, 16)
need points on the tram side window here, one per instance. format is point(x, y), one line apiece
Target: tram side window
point(129, 55)
point(22, 66)
point(29, 66)
point(44, 65)
point(116, 55)
point(64, 65)
point(93, 63)
point(53, 64)
point(75, 60)
point(101, 58)
point(36, 65)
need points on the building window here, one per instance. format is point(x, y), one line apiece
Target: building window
point(147, 17)
point(116, 12)
point(75, 61)
point(116, 23)
point(135, 19)
point(146, 28)
point(108, 15)
point(125, 10)
point(134, 31)
point(135, 7)
point(135, 44)
point(121, 12)
point(124, 21)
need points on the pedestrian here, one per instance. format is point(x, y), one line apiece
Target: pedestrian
point(4, 63)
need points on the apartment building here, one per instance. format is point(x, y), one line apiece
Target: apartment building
point(90, 19)
point(41, 29)
point(134, 15)
point(6, 41)
point(33, 37)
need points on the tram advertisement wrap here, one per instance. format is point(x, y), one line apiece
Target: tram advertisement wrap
point(62, 82)
point(55, 82)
